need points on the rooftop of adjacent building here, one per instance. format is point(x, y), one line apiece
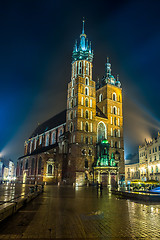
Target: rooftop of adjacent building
point(150, 142)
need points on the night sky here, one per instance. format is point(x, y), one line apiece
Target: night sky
point(36, 42)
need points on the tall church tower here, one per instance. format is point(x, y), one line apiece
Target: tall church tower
point(81, 112)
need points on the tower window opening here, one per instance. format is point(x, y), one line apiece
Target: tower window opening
point(72, 103)
point(114, 110)
point(72, 92)
point(100, 97)
point(115, 133)
point(115, 144)
point(86, 102)
point(114, 97)
point(80, 67)
point(87, 81)
point(73, 82)
point(86, 140)
point(115, 121)
point(71, 127)
point(86, 91)
point(87, 69)
point(87, 129)
point(72, 115)
point(87, 114)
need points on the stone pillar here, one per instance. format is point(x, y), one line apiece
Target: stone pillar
point(99, 176)
point(109, 178)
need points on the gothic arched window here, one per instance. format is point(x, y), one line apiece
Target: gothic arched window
point(72, 115)
point(80, 67)
point(87, 69)
point(47, 140)
point(87, 81)
point(86, 91)
point(86, 102)
point(71, 127)
point(101, 131)
point(87, 127)
point(87, 114)
point(72, 92)
point(53, 137)
point(114, 110)
point(39, 165)
point(114, 97)
point(100, 97)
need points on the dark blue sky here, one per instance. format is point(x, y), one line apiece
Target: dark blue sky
point(36, 42)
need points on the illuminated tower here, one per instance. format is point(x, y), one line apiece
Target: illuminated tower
point(109, 101)
point(81, 112)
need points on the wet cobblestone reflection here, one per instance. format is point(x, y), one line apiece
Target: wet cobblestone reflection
point(65, 212)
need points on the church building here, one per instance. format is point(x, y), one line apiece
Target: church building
point(84, 143)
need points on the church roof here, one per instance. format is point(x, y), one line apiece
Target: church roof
point(99, 113)
point(51, 123)
point(40, 150)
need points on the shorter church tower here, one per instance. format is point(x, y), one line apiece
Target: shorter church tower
point(109, 101)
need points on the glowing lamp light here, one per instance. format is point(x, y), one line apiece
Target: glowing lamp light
point(105, 141)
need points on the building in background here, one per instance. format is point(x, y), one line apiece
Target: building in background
point(85, 142)
point(149, 160)
point(5, 173)
point(11, 171)
point(132, 172)
point(1, 171)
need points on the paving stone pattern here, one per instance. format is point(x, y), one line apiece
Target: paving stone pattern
point(68, 213)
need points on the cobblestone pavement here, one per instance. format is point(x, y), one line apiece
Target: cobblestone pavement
point(65, 212)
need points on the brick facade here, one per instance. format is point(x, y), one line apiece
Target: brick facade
point(94, 112)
